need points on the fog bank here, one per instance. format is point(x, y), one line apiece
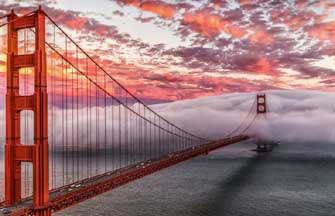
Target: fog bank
point(293, 115)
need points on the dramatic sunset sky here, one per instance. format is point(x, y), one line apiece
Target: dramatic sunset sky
point(173, 50)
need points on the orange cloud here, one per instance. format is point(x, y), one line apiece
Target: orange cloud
point(262, 66)
point(73, 22)
point(300, 3)
point(323, 31)
point(235, 31)
point(78, 23)
point(208, 24)
point(245, 1)
point(261, 37)
point(160, 8)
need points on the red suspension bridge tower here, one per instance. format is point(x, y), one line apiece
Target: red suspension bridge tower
point(15, 151)
point(261, 107)
point(261, 104)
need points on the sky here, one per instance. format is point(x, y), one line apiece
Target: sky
point(173, 50)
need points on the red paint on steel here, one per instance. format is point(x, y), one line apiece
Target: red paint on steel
point(261, 103)
point(15, 151)
point(12, 166)
point(67, 196)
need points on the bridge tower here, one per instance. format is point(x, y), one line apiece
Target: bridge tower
point(261, 104)
point(261, 107)
point(15, 151)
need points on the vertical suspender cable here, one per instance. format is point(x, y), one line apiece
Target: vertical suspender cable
point(66, 117)
point(77, 118)
point(97, 123)
point(87, 124)
point(120, 132)
point(105, 118)
point(63, 132)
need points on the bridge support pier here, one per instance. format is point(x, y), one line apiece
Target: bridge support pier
point(264, 147)
point(15, 151)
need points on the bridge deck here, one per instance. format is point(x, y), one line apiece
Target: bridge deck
point(72, 194)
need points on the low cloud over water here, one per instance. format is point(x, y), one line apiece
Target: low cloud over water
point(307, 116)
point(292, 116)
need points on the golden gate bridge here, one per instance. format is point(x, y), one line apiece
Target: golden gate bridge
point(73, 131)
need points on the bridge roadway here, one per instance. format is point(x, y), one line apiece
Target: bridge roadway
point(77, 192)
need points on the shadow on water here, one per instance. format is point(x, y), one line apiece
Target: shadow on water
point(290, 180)
point(232, 185)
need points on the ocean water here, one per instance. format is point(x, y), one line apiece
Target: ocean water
point(295, 179)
